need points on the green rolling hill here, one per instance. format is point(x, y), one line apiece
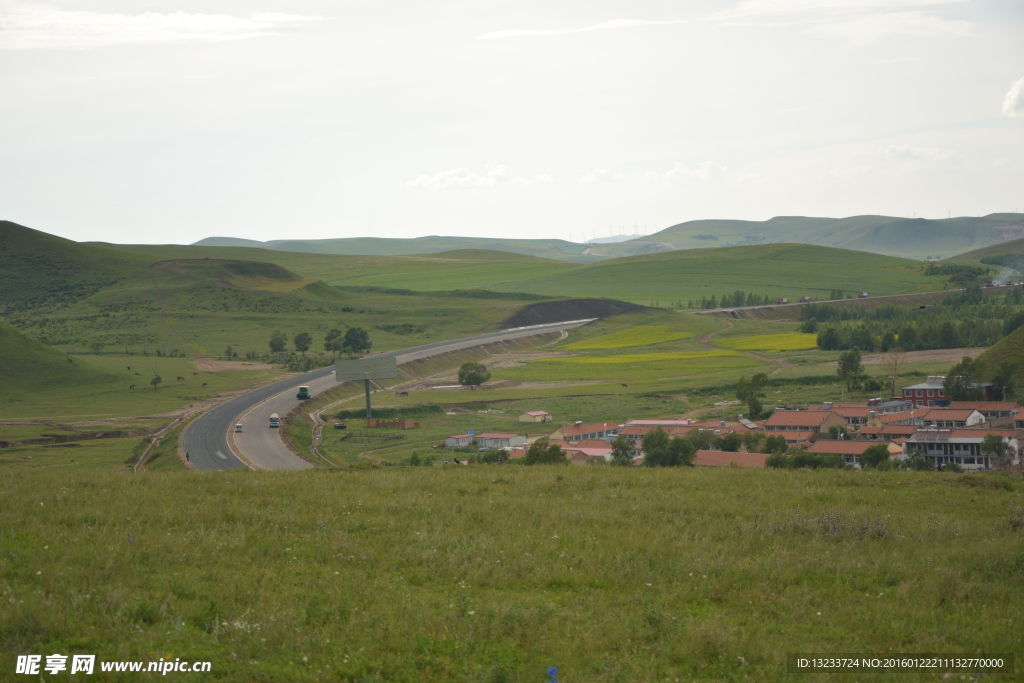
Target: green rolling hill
point(783, 270)
point(1005, 255)
point(1008, 350)
point(382, 246)
point(911, 238)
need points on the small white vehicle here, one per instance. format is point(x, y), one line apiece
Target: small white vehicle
point(275, 420)
point(238, 427)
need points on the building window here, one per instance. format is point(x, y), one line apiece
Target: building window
point(931, 392)
point(920, 392)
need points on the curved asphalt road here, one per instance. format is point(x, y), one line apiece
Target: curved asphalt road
point(206, 439)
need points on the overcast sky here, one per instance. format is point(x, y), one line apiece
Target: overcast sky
point(170, 121)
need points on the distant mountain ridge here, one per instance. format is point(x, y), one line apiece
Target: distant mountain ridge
point(917, 238)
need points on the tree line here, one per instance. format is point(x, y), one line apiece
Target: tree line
point(963, 319)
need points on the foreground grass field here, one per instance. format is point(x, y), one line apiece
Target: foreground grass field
point(497, 573)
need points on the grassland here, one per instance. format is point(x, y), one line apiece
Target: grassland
point(497, 573)
point(779, 270)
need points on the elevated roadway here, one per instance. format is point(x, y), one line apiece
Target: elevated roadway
point(208, 440)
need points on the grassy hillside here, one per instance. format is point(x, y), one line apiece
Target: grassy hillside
point(39, 270)
point(195, 301)
point(1009, 349)
point(778, 270)
point(382, 246)
point(789, 270)
point(911, 238)
point(30, 366)
point(1006, 255)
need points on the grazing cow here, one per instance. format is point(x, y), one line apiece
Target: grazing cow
point(181, 378)
point(194, 374)
point(204, 384)
point(129, 368)
point(626, 385)
point(70, 361)
point(132, 386)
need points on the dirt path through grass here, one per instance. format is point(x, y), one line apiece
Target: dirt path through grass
point(729, 324)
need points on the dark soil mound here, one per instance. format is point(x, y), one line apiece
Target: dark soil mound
point(569, 309)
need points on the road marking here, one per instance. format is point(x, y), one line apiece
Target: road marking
point(221, 456)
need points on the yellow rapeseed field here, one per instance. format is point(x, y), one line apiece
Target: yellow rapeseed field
point(789, 341)
point(645, 335)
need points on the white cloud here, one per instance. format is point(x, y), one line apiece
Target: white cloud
point(459, 178)
point(857, 21)
point(603, 26)
point(25, 26)
point(544, 178)
point(601, 175)
point(921, 156)
point(1013, 104)
point(680, 173)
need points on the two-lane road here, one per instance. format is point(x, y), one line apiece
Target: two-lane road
point(206, 439)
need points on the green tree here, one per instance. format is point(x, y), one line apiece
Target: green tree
point(329, 341)
point(473, 374)
point(838, 432)
point(729, 442)
point(541, 452)
point(751, 391)
point(873, 455)
point(850, 367)
point(995, 447)
point(623, 451)
point(157, 379)
point(777, 460)
point(961, 382)
point(662, 451)
point(229, 352)
point(356, 340)
point(1003, 382)
point(302, 341)
point(278, 342)
point(775, 444)
point(414, 459)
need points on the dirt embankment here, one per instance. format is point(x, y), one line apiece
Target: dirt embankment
point(569, 309)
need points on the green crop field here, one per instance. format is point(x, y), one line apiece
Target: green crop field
point(644, 335)
point(498, 573)
point(788, 341)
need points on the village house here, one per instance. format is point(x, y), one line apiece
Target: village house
point(849, 451)
point(535, 417)
point(960, 446)
point(952, 419)
point(459, 441)
point(931, 392)
point(895, 433)
point(499, 440)
point(992, 410)
point(728, 459)
point(604, 431)
point(813, 421)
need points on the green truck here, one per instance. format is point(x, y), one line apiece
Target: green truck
point(303, 393)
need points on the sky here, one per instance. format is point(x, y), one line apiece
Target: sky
point(167, 121)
